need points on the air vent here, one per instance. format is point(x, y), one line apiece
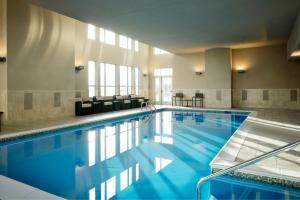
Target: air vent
point(28, 98)
point(244, 95)
point(265, 95)
point(57, 99)
point(293, 95)
point(219, 95)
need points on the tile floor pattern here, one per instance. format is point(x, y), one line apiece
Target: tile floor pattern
point(268, 130)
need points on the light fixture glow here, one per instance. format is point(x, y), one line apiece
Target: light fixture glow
point(296, 54)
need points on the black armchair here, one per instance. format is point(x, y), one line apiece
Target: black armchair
point(199, 97)
point(178, 96)
point(97, 105)
point(83, 107)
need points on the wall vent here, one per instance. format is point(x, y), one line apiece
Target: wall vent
point(57, 99)
point(28, 101)
point(219, 95)
point(293, 95)
point(265, 95)
point(244, 95)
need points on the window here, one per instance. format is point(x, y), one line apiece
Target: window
point(107, 36)
point(92, 78)
point(163, 72)
point(158, 51)
point(136, 46)
point(91, 32)
point(125, 42)
point(107, 79)
point(125, 80)
point(137, 81)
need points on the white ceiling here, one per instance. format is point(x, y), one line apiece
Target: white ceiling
point(187, 25)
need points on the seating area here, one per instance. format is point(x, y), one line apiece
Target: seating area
point(180, 100)
point(96, 105)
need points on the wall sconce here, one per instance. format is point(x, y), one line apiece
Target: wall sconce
point(241, 71)
point(2, 59)
point(198, 73)
point(296, 54)
point(79, 68)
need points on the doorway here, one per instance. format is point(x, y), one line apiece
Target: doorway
point(163, 86)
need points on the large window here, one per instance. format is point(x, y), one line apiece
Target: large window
point(92, 78)
point(137, 81)
point(91, 32)
point(107, 79)
point(125, 42)
point(107, 36)
point(125, 80)
point(136, 46)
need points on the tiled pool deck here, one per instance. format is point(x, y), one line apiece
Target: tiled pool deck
point(263, 131)
point(268, 130)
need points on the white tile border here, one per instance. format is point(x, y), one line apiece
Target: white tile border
point(11, 189)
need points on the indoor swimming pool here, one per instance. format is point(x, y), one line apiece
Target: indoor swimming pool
point(146, 156)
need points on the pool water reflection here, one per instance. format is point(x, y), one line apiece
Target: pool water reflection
point(159, 158)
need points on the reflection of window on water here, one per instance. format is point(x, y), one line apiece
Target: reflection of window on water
point(125, 178)
point(108, 142)
point(92, 194)
point(163, 128)
point(137, 133)
point(163, 125)
point(163, 139)
point(161, 163)
point(137, 172)
point(125, 137)
point(92, 147)
point(108, 188)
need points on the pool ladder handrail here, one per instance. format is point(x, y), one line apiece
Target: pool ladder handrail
point(152, 110)
point(243, 164)
point(148, 104)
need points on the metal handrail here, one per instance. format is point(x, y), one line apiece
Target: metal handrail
point(244, 164)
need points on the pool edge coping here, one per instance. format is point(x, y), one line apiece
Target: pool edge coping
point(40, 131)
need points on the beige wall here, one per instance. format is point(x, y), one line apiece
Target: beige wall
point(40, 62)
point(43, 49)
point(215, 65)
point(94, 50)
point(267, 69)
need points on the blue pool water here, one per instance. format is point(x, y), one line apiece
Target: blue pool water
point(141, 157)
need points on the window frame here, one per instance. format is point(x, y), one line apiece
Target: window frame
point(104, 36)
point(103, 83)
point(91, 32)
point(92, 64)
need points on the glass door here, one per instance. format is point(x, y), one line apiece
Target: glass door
point(163, 85)
point(157, 90)
point(166, 90)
